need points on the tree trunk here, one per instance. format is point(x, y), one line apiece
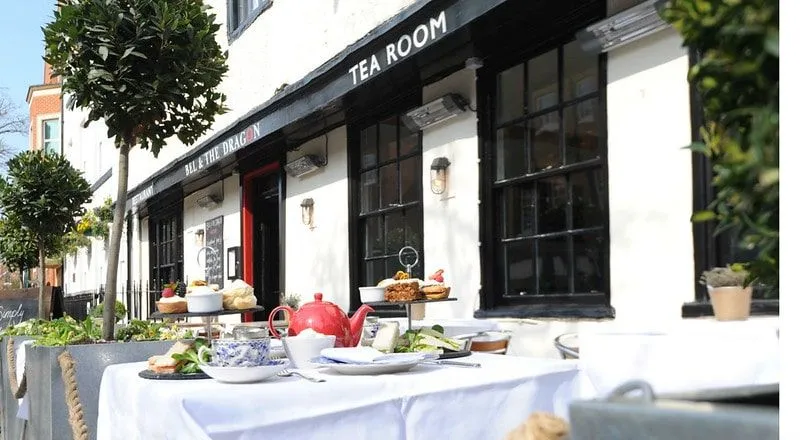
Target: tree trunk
point(42, 309)
point(110, 298)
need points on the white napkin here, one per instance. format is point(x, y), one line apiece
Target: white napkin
point(22, 411)
point(369, 355)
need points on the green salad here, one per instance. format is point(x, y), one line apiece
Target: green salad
point(427, 340)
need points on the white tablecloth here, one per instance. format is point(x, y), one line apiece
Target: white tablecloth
point(429, 402)
point(696, 355)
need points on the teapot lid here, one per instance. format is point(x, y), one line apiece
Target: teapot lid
point(318, 301)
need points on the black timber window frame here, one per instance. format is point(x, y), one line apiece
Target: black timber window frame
point(166, 246)
point(711, 250)
point(242, 13)
point(569, 301)
point(384, 218)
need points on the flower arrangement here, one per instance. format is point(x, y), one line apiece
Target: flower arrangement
point(95, 223)
point(730, 276)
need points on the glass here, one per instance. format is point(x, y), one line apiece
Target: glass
point(374, 271)
point(545, 142)
point(520, 269)
point(589, 262)
point(370, 195)
point(588, 199)
point(373, 241)
point(409, 140)
point(410, 179)
point(244, 332)
point(580, 72)
point(369, 147)
point(388, 185)
point(395, 233)
point(519, 211)
point(511, 159)
point(552, 202)
point(553, 265)
point(543, 81)
point(510, 93)
point(414, 228)
point(387, 139)
point(582, 131)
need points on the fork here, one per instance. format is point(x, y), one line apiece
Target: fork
point(287, 373)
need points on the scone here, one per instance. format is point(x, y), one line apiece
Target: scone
point(435, 291)
point(172, 304)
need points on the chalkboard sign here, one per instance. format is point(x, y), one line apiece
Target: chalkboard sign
point(17, 305)
point(214, 258)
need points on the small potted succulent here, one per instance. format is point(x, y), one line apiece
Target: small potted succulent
point(730, 298)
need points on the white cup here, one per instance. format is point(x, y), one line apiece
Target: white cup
point(300, 350)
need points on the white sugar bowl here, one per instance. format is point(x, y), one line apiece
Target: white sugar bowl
point(204, 299)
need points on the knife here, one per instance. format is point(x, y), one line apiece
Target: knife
point(454, 363)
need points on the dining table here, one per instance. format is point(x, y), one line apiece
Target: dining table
point(429, 401)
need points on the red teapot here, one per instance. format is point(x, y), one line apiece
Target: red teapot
point(324, 317)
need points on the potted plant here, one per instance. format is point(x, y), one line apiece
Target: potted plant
point(730, 298)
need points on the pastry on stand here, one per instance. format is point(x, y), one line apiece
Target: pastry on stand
point(239, 296)
point(171, 303)
point(434, 287)
point(401, 288)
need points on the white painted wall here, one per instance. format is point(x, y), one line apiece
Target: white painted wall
point(317, 259)
point(195, 217)
point(451, 220)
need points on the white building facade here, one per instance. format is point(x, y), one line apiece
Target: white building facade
point(567, 198)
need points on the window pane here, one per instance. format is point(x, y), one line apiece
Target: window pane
point(553, 259)
point(589, 263)
point(369, 147)
point(511, 158)
point(519, 211)
point(395, 233)
point(588, 199)
point(543, 81)
point(387, 139)
point(389, 196)
point(581, 126)
point(545, 141)
point(410, 180)
point(552, 201)
point(409, 140)
point(414, 229)
point(374, 271)
point(373, 237)
point(580, 72)
point(370, 195)
point(510, 93)
point(51, 129)
point(519, 268)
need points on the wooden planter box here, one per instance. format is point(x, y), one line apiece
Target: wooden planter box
point(48, 408)
point(10, 426)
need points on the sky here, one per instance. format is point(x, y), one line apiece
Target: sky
point(21, 50)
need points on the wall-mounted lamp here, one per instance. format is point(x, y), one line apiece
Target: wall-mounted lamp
point(199, 237)
point(439, 175)
point(436, 111)
point(307, 207)
point(625, 27)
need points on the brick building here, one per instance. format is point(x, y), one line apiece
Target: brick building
point(44, 105)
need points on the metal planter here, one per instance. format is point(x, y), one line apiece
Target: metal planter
point(10, 426)
point(48, 408)
point(721, 414)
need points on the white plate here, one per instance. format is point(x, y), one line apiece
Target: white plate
point(245, 374)
point(370, 369)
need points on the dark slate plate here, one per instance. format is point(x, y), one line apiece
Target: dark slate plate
point(147, 374)
point(455, 354)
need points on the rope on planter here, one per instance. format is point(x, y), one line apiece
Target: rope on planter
point(17, 389)
point(79, 429)
point(541, 426)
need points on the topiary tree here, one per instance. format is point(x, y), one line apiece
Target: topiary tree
point(40, 199)
point(149, 69)
point(737, 78)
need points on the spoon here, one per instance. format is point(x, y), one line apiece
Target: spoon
point(287, 373)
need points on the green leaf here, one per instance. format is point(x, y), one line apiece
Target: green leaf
point(703, 216)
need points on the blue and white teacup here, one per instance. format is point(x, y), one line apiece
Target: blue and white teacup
point(238, 352)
